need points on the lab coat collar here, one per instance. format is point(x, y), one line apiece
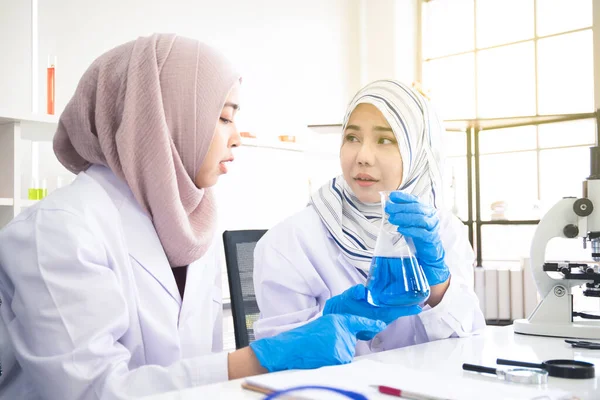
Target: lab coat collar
point(142, 240)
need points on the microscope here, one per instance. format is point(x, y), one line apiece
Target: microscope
point(569, 218)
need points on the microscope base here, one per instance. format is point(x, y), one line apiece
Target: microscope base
point(575, 330)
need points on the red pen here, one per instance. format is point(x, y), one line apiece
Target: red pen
point(405, 394)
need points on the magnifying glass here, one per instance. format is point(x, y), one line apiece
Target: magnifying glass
point(530, 376)
point(570, 369)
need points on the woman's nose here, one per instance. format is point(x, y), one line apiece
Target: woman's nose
point(366, 155)
point(235, 140)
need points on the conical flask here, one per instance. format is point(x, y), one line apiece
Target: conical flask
point(395, 278)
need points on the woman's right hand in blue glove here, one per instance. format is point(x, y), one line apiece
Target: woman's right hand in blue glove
point(328, 340)
point(354, 301)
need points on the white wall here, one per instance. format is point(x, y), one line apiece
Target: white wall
point(15, 55)
point(407, 33)
point(294, 57)
point(299, 60)
point(389, 40)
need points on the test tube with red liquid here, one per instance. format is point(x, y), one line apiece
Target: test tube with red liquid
point(51, 84)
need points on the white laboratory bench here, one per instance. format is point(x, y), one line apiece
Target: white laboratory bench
point(446, 357)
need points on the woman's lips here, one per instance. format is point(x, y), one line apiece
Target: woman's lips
point(222, 165)
point(365, 180)
point(362, 183)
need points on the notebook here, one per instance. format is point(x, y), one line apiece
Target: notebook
point(360, 375)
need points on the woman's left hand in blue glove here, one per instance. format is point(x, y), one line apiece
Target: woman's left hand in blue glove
point(354, 301)
point(420, 222)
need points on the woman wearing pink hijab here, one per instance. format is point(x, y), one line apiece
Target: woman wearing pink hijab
point(110, 285)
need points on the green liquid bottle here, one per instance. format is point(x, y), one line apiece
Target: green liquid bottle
point(33, 193)
point(43, 190)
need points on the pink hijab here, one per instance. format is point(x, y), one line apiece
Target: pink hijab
point(148, 110)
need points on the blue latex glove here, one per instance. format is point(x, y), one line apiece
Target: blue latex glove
point(328, 340)
point(354, 301)
point(420, 222)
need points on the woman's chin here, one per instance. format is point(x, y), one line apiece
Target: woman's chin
point(206, 182)
point(367, 195)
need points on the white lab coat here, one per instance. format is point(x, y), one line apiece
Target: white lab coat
point(91, 305)
point(298, 267)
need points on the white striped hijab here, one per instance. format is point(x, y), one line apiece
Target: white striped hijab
point(418, 130)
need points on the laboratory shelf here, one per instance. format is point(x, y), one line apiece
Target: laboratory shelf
point(8, 117)
point(28, 203)
point(15, 130)
point(511, 222)
point(272, 144)
point(7, 202)
point(38, 127)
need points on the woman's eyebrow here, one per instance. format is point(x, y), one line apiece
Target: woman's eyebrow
point(236, 107)
point(382, 129)
point(353, 127)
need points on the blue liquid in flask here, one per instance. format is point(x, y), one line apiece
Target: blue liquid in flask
point(396, 282)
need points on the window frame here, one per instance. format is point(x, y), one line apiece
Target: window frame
point(473, 127)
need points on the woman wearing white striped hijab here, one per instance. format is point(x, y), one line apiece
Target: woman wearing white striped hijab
point(317, 261)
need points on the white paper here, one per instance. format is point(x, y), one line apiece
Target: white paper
point(360, 375)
